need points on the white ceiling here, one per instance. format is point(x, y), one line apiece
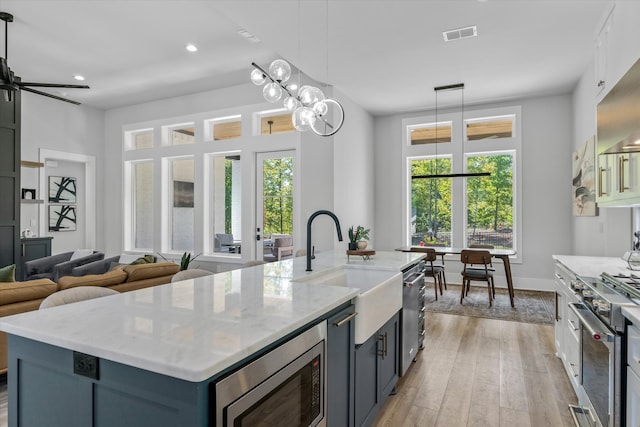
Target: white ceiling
point(386, 55)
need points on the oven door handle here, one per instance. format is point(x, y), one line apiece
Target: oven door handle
point(594, 325)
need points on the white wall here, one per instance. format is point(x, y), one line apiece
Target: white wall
point(609, 233)
point(353, 170)
point(55, 125)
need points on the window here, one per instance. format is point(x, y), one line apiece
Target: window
point(142, 221)
point(490, 201)
point(181, 203)
point(181, 134)
point(278, 195)
point(280, 123)
point(430, 202)
point(138, 140)
point(430, 133)
point(226, 203)
point(463, 211)
point(489, 128)
point(224, 128)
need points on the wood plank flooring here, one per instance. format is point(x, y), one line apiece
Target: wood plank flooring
point(473, 372)
point(482, 372)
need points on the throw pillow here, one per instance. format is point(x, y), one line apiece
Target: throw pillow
point(147, 259)
point(81, 253)
point(8, 273)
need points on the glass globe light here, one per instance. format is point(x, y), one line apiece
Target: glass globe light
point(302, 118)
point(310, 95)
point(291, 103)
point(272, 92)
point(320, 108)
point(280, 70)
point(257, 77)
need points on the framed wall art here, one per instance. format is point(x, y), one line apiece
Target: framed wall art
point(62, 189)
point(62, 217)
point(584, 194)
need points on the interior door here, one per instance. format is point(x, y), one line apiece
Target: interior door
point(274, 199)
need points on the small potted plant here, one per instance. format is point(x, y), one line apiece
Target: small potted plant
point(362, 235)
point(353, 239)
point(358, 237)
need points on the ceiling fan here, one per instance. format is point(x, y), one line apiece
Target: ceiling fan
point(10, 84)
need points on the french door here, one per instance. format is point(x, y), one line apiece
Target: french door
point(274, 199)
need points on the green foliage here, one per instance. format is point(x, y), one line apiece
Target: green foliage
point(278, 196)
point(186, 259)
point(489, 199)
point(360, 233)
point(431, 198)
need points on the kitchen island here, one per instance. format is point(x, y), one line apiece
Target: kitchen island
point(149, 356)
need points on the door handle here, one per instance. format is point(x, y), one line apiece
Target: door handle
point(600, 191)
point(346, 319)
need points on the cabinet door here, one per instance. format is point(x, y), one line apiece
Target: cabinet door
point(628, 180)
point(389, 356)
point(340, 364)
point(366, 381)
point(633, 398)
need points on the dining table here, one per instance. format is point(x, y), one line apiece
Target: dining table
point(502, 254)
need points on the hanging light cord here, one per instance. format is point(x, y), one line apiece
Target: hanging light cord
point(456, 86)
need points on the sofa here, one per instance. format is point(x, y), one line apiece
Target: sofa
point(21, 297)
point(55, 266)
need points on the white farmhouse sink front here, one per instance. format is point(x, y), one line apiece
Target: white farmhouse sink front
point(380, 295)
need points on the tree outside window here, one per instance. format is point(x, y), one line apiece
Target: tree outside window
point(430, 202)
point(490, 201)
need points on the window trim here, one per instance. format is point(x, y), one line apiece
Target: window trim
point(458, 149)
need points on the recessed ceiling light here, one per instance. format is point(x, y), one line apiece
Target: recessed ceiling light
point(191, 47)
point(78, 77)
point(250, 37)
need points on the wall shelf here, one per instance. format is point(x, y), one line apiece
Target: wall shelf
point(32, 201)
point(28, 164)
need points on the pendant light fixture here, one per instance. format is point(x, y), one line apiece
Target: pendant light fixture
point(457, 86)
point(311, 108)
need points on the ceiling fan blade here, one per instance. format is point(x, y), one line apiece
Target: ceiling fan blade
point(54, 85)
point(59, 98)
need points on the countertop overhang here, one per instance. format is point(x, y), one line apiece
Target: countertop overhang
point(197, 328)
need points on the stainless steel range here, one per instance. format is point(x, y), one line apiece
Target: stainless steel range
point(602, 327)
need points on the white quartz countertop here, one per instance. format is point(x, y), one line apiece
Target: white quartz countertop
point(196, 328)
point(593, 266)
point(632, 313)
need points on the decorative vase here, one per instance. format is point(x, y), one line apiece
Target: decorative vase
point(362, 245)
point(353, 246)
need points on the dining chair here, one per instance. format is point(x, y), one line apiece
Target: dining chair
point(484, 274)
point(444, 278)
point(430, 269)
point(482, 246)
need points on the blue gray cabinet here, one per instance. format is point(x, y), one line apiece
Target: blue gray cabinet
point(376, 371)
point(340, 364)
point(34, 248)
point(10, 182)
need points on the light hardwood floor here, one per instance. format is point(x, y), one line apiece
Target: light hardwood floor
point(475, 372)
point(482, 372)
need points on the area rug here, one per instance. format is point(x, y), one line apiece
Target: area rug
point(530, 306)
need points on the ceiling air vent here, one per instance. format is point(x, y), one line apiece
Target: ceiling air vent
point(460, 33)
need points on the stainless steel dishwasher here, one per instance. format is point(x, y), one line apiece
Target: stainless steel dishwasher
point(410, 343)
